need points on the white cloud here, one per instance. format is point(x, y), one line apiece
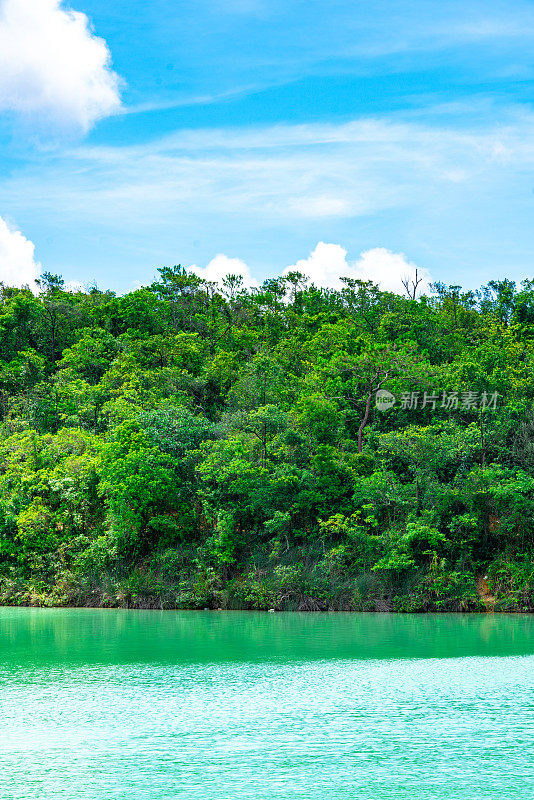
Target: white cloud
point(18, 266)
point(261, 191)
point(327, 264)
point(288, 175)
point(322, 206)
point(389, 269)
point(221, 266)
point(52, 64)
point(324, 266)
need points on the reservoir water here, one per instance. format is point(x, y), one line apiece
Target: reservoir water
point(129, 705)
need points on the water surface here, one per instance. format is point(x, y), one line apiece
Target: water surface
point(129, 705)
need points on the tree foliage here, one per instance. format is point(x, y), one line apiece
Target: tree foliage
point(186, 445)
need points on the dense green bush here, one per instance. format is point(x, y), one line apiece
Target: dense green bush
point(189, 447)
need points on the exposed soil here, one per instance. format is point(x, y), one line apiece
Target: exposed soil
point(484, 593)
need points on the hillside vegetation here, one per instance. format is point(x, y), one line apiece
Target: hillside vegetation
point(184, 446)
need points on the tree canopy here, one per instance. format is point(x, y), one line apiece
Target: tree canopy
point(189, 445)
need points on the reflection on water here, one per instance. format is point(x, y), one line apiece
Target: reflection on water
point(222, 705)
point(38, 636)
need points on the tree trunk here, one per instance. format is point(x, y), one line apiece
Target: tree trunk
point(364, 421)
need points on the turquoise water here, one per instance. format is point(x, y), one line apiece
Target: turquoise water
point(225, 705)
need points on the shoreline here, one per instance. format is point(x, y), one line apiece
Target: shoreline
point(155, 606)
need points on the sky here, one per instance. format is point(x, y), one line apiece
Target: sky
point(259, 136)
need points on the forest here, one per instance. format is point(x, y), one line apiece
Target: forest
point(193, 446)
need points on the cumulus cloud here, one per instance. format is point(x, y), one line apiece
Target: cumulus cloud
point(221, 266)
point(52, 64)
point(327, 264)
point(324, 266)
point(18, 266)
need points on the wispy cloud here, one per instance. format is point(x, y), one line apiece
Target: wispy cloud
point(281, 172)
point(169, 104)
point(230, 187)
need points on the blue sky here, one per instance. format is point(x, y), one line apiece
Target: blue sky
point(242, 134)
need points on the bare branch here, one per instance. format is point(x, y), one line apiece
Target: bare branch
point(411, 285)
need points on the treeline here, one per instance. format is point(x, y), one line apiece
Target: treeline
point(191, 446)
